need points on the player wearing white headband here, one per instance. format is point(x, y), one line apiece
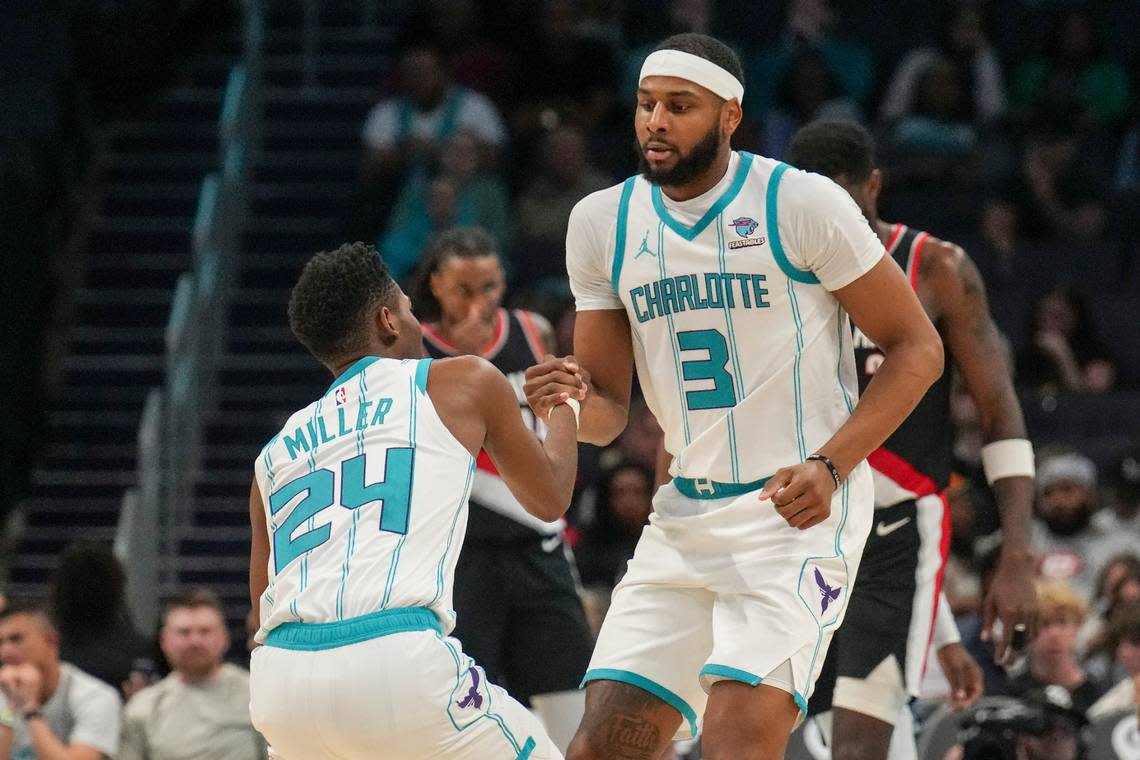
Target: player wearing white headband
point(726, 279)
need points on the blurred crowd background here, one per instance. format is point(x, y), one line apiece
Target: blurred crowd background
point(1011, 128)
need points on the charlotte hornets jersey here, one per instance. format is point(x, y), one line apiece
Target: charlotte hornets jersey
point(916, 460)
point(496, 515)
point(742, 351)
point(365, 495)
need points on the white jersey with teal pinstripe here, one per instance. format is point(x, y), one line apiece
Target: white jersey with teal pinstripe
point(365, 494)
point(742, 351)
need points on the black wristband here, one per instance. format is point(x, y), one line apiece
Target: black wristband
point(828, 464)
point(30, 714)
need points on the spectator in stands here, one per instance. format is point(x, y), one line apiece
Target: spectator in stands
point(810, 27)
point(428, 109)
point(1117, 586)
point(565, 175)
point(964, 43)
point(1073, 69)
point(49, 708)
point(1065, 353)
point(971, 626)
point(1123, 482)
point(1053, 654)
point(1063, 182)
point(1069, 546)
point(624, 503)
point(204, 703)
point(406, 132)
point(808, 90)
point(476, 62)
point(567, 71)
point(1124, 642)
point(96, 633)
point(459, 193)
point(936, 131)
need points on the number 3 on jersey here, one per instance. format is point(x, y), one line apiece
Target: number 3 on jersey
point(713, 368)
point(394, 493)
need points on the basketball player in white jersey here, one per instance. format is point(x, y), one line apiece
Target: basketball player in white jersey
point(727, 278)
point(359, 508)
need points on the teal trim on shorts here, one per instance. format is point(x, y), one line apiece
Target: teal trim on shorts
point(316, 637)
point(641, 682)
point(770, 208)
point(800, 702)
point(622, 223)
point(733, 674)
point(527, 748)
point(700, 488)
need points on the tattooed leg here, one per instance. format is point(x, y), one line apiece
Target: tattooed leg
point(623, 722)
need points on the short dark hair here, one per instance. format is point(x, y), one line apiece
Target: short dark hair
point(89, 592)
point(834, 149)
point(29, 607)
point(457, 242)
point(192, 599)
point(709, 48)
point(1124, 625)
point(337, 293)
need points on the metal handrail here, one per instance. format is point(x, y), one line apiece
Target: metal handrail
point(155, 511)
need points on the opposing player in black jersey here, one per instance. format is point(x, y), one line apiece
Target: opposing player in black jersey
point(516, 593)
point(877, 659)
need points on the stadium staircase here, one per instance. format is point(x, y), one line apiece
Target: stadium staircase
point(314, 102)
point(139, 246)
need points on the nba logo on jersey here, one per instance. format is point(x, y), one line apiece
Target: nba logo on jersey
point(341, 396)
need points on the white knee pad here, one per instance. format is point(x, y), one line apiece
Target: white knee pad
point(561, 712)
point(880, 695)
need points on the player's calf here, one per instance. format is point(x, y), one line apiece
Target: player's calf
point(856, 736)
point(744, 722)
point(623, 722)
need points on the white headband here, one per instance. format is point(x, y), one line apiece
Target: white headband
point(674, 63)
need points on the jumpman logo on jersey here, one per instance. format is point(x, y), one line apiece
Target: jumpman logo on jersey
point(644, 247)
point(829, 594)
point(473, 698)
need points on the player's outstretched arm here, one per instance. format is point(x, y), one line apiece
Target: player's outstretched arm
point(951, 284)
point(599, 375)
point(883, 305)
point(479, 406)
point(258, 549)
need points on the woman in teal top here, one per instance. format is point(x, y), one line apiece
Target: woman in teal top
point(458, 193)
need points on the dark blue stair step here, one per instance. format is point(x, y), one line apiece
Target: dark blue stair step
point(167, 199)
point(142, 234)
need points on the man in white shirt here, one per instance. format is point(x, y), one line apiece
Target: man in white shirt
point(405, 132)
point(200, 710)
point(49, 710)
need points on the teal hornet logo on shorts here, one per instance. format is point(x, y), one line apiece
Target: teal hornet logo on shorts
point(644, 248)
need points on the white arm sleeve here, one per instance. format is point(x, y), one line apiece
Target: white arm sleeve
point(823, 231)
point(588, 234)
point(478, 115)
point(380, 128)
point(945, 627)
